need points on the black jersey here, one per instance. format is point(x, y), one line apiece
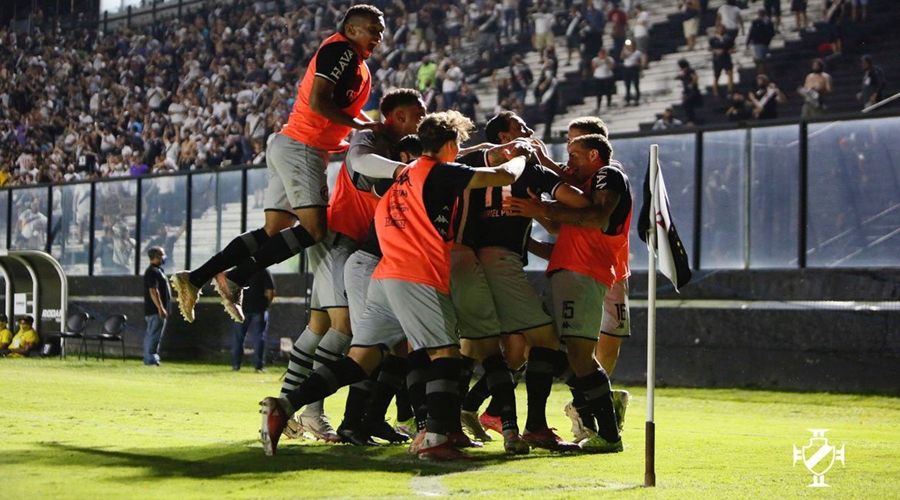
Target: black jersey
point(493, 226)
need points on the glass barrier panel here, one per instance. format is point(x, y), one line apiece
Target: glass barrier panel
point(215, 213)
point(723, 236)
point(71, 223)
point(115, 214)
point(164, 219)
point(29, 219)
point(677, 154)
point(774, 196)
point(854, 194)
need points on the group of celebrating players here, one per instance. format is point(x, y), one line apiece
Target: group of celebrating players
point(419, 259)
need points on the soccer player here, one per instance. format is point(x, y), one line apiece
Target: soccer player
point(349, 216)
point(410, 286)
point(329, 105)
point(501, 239)
point(590, 256)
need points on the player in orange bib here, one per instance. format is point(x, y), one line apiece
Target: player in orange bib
point(329, 105)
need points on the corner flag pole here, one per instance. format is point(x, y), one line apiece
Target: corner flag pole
point(650, 429)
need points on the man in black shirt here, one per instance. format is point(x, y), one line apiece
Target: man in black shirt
point(156, 304)
point(873, 81)
point(258, 297)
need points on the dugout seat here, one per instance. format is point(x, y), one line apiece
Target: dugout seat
point(76, 325)
point(113, 331)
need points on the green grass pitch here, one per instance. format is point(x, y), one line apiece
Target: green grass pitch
point(114, 429)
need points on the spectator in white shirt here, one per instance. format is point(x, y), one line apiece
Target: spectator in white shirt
point(729, 15)
point(543, 28)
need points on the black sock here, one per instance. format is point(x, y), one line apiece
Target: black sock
point(581, 406)
point(404, 406)
point(503, 391)
point(325, 381)
point(235, 253)
point(281, 247)
point(357, 400)
point(442, 395)
point(387, 380)
point(561, 369)
point(416, 380)
point(538, 384)
point(467, 365)
point(598, 394)
point(476, 396)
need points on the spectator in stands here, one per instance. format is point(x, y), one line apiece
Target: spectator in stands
point(452, 77)
point(691, 24)
point(592, 34)
point(760, 36)
point(631, 72)
point(740, 110)
point(24, 341)
point(641, 30)
point(814, 90)
point(509, 17)
point(573, 32)
point(691, 98)
point(547, 97)
point(873, 82)
point(798, 7)
point(521, 77)
point(667, 121)
point(729, 16)
point(467, 103)
point(618, 21)
point(766, 98)
point(543, 28)
point(773, 8)
point(603, 67)
point(834, 18)
point(721, 45)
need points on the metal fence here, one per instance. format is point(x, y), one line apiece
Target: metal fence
point(787, 196)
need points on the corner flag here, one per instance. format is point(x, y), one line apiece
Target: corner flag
point(673, 259)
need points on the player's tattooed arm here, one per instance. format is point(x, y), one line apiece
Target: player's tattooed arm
point(595, 216)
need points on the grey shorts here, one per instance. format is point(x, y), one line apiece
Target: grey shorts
point(572, 297)
point(357, 276)
point(341, 249)
point(517, 302)
point(395, 306)
point(297, 177)
point(328, 279)
point(575, 300)
point(472, 296)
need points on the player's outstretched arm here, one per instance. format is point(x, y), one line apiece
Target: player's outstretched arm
point(321, 100)
point(501, 175)
point(595, 216)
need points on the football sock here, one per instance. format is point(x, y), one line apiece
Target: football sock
point(324, 382)
point(357, 400)
point(442, 395)
point(301, 360)
point(581, 406)
point(503, 391)
point(401, 401)
point(330, 349)
point(387, 381)
point(236, 252)
point(538, 384)
point(282, 246)
point(416, 380)
point(598, 394)
point(476, 396)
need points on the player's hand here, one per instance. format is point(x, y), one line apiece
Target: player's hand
point(519, 147)
point(525, 207)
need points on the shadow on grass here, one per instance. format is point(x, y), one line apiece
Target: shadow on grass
point(219, 461)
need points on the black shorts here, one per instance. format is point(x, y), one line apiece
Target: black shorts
point(605, 86)
point(722, 64)
point(773, 7)
point(798, 5)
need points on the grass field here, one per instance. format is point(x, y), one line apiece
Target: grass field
point(119, 430)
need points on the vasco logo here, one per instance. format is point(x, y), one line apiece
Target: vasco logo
point(818, 457)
